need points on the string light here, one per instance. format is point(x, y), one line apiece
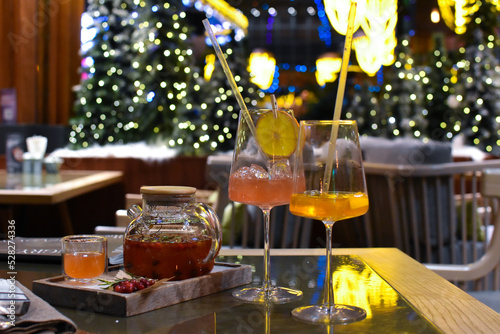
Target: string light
point(435, 16)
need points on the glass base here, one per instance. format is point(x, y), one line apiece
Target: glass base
point(276, 295)
point(337, 314)
point(81, 280)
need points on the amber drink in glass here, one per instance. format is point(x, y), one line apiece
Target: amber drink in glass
point(329, 185)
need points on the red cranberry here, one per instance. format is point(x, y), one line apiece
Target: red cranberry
point(128, 287)
point(118, 288)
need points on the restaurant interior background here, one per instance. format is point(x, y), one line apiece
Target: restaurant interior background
point(140, 73)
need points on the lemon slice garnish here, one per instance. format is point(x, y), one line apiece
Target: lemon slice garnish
point(277, 136)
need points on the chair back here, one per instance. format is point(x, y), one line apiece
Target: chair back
point(436, 213)
point(484, 271)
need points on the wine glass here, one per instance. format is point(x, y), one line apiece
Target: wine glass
point(329, 185)
point(261, 175)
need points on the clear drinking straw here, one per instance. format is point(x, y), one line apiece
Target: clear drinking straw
point(340, 96)
point(230, 77)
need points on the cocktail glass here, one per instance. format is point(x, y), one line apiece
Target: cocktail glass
point(263, 179)
point(84, 257)
point(337, 194)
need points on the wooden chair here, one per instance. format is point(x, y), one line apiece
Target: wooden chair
point(443, 215)
point(490, 260)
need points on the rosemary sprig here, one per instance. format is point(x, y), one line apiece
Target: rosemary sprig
point(120, 276)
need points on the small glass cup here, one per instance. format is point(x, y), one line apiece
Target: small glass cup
point(84, 257)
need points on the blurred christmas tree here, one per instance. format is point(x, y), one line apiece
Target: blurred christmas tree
point(403, 97)
point(364, 109)
point(217, 102)
point(162, 69)
point(438, 88)
point(105, 92)
point(151, 88)
point(480, 77)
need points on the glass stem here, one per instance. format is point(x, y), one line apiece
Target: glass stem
point(267, 309)
point(328, 299)
point(267, 255)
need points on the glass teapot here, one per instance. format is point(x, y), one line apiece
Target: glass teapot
point(172, 237)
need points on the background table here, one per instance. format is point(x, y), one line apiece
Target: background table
point(52, 189)
point(436, 305)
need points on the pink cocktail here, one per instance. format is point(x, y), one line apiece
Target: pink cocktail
point(253, 186)
point(262, 175)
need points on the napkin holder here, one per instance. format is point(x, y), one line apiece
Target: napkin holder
point(31, 165)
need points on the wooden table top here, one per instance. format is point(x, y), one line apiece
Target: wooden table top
point(53, 188)
point(449, 308)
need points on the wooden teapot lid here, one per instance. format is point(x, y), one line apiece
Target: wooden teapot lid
point(167, 190)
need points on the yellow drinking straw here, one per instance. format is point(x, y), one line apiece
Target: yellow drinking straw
point(274, 106)
point(229, 76)
point(340, 96)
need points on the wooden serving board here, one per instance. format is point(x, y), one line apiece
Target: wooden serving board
point(91, 297)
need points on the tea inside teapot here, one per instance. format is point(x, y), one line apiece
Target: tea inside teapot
point(173, 237)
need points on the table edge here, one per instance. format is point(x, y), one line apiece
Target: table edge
point(63, 191)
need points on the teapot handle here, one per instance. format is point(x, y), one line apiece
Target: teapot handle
point(134, 211)
point(208, 216)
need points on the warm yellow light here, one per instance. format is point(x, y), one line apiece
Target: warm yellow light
point(388, 52)
point(446, 8)
point(373, 292)
point(327, 68)
point(496, 3)
point(232, 14)
point(261, 66)
point(455, 13)
point(435, 16)
point(380, 17)
point(209, 66)
point(460, 19)
point(289, 100)
point(369, 59)
point(338, 14)
point(372, 53)
point(286, 101)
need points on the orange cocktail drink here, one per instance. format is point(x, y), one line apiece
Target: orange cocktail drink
point(84, 257)
point(84, 264)
point(329, 207)
point(329, 186)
